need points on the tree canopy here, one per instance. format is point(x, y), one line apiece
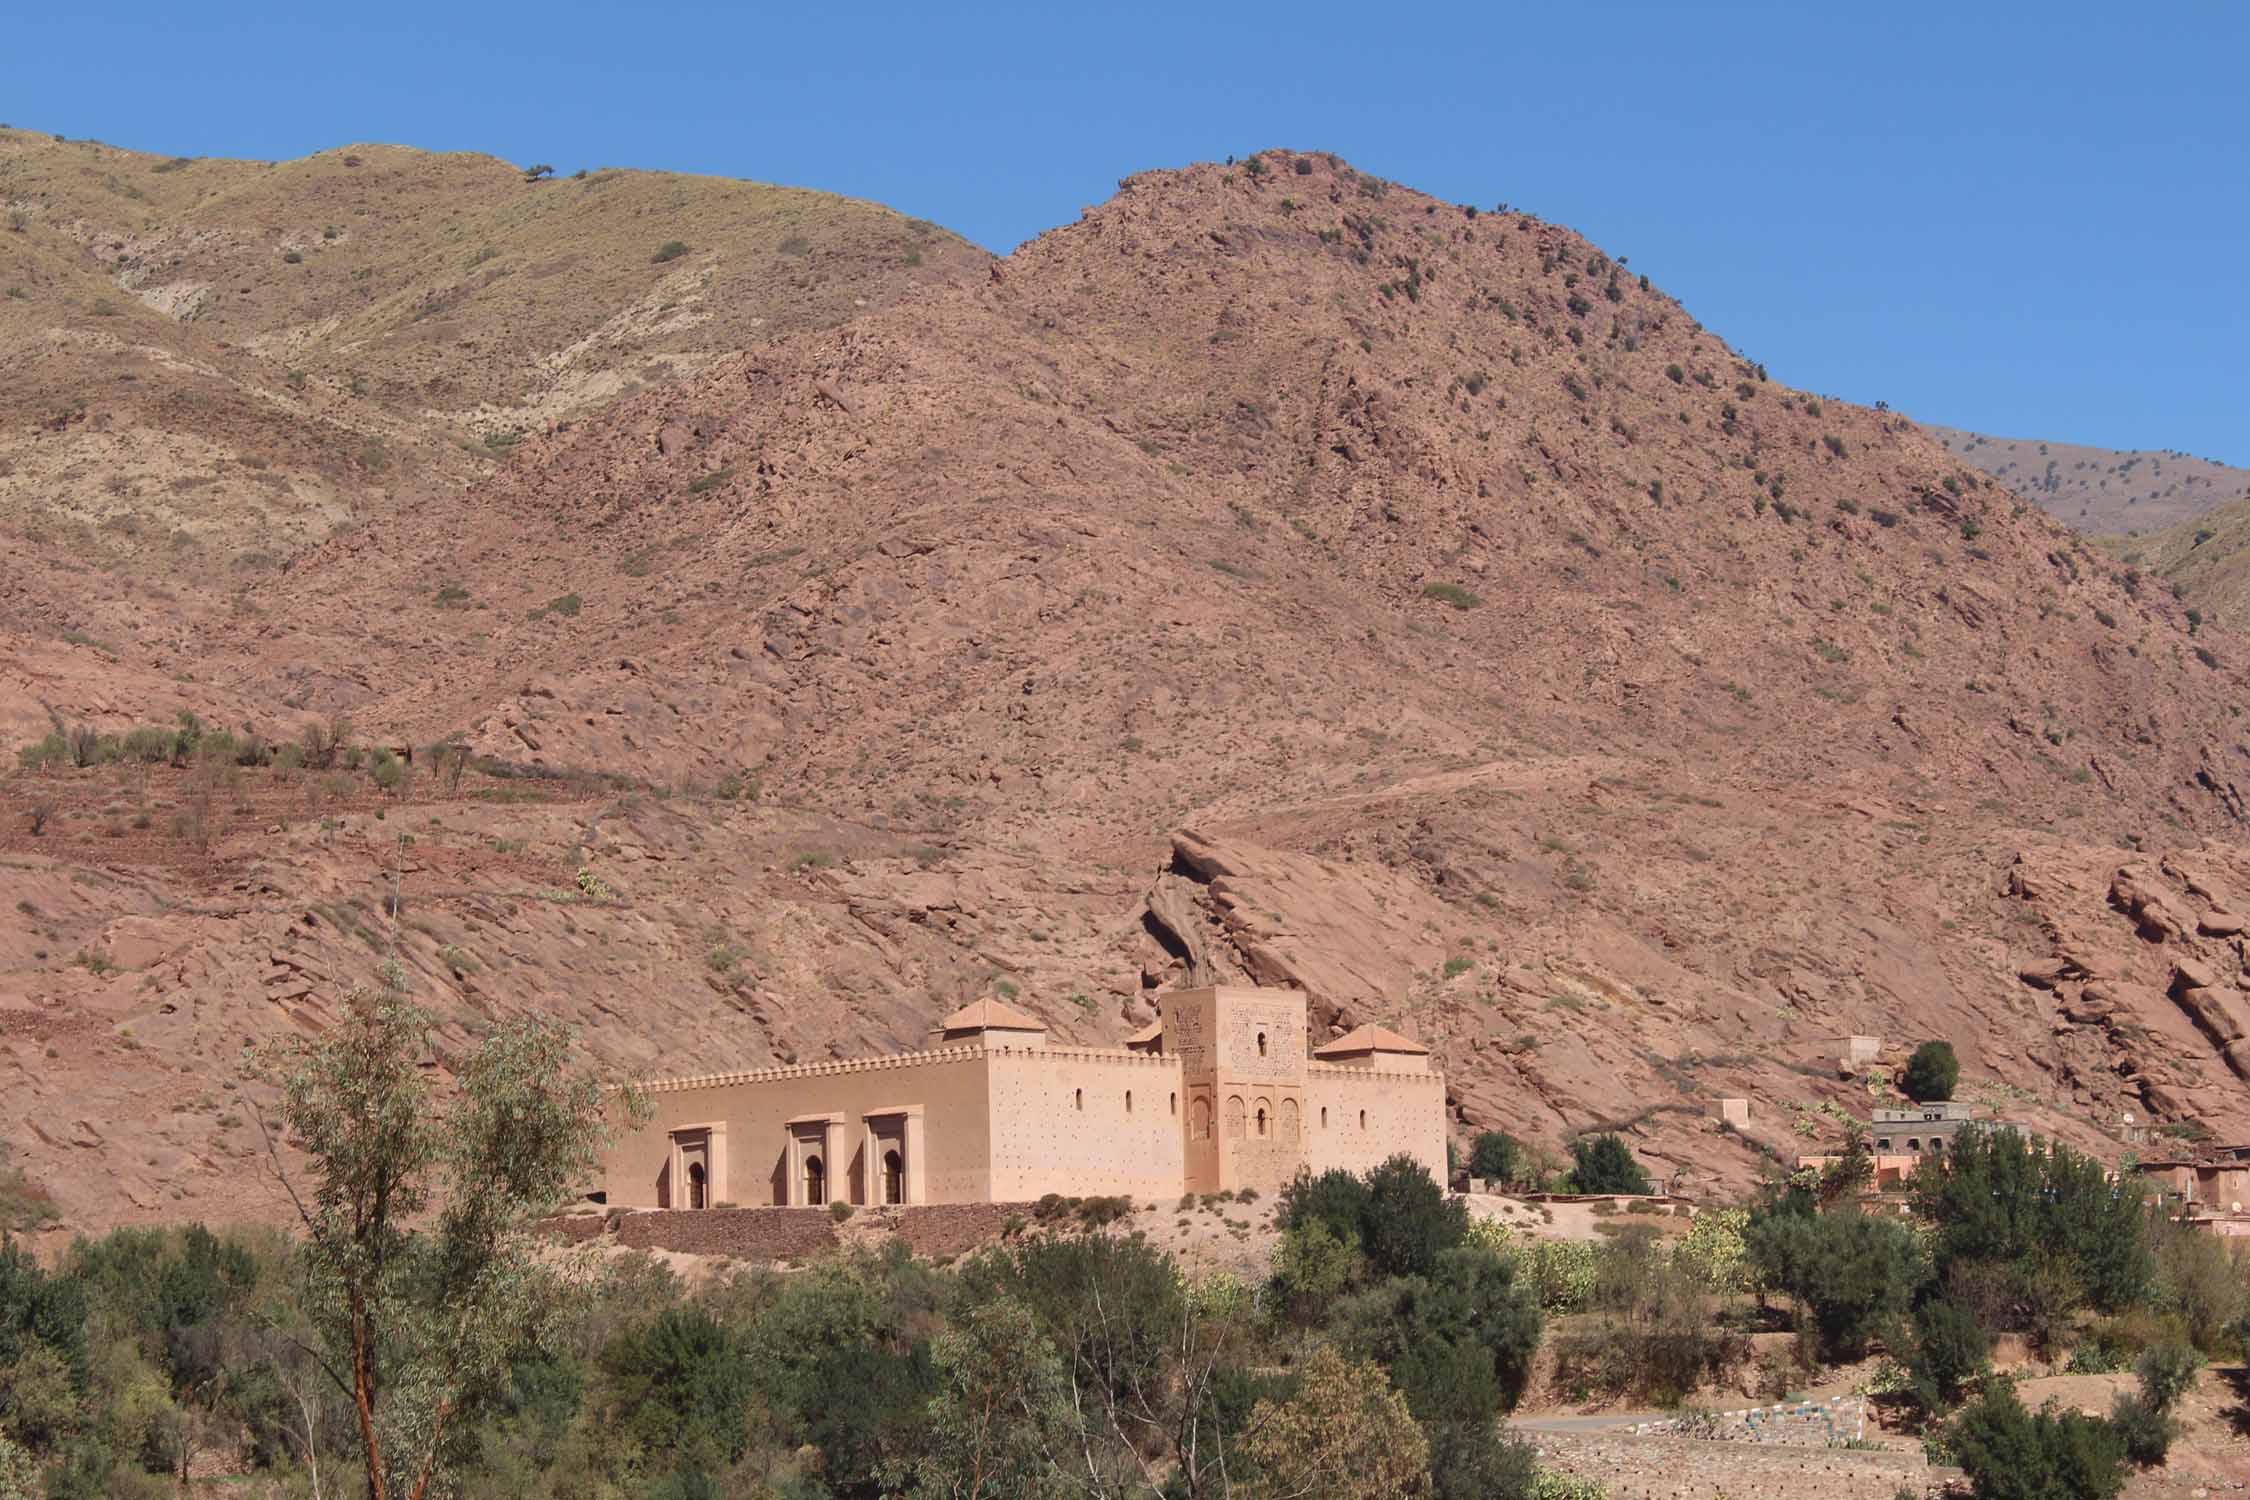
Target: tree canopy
point(1604, 1164)
point(1931, 1073)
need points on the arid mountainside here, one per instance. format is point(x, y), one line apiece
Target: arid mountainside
point(208, 364)
point(1275, 573)
point(2101, 490)
point(2204, 562)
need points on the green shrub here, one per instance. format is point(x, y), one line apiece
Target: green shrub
point(1851, 1274)
point(669, 250)
point(2166, 1372)
point(1396, 1216)
point(1312, 1268)
point(1605, 1164)
point(2142, 1431)
point(53, 750)
point(566, 605)
point(1932, 1073)
point(1496, 1156)
point(2041, 1224)
point(148, 745)
point(1451, 593)
point(2013, 1454)
point(1459, 1340)
point(1950, 1354)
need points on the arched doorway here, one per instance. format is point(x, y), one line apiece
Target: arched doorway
point(695, 1186)
point(816, 1182)
point(894, 1178)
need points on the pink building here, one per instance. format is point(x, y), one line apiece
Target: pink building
point(1221, 1094)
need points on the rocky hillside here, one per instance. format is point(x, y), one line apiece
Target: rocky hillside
point(2101, 490)
point(1275, 574)
point(2204, 562)
point(208, 363)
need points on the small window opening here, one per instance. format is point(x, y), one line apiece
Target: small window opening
point(1078, 1097)
point(1261, 1044)
point(1261, 1122)
point(1363, 1119)
point(1128, 1101)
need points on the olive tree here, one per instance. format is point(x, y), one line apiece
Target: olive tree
point(416, 1207)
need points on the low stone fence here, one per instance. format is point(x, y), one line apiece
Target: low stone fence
point(1668, 1202)
point(1806, 1424)
point(940, 1231)
point(576, 1228)
point(934, 1231)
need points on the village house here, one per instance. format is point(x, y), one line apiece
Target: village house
point(1900, 1140)
point(2208, 1189)
point(1222, 1093)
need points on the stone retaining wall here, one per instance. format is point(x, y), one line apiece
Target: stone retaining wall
point(1655, 1467)
point(939, 1231)
point(744, 1233)
point(1804, 1424)
point(576, 1228)
point(935, 1231)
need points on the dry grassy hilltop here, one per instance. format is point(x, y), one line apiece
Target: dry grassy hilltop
point(2099, 490)
point(1276, 573)
point(210, 363)
point(2205, 562)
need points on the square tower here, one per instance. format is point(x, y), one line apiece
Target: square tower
point(1242, 1065)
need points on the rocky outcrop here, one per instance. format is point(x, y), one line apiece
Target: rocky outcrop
point(2217, 1010)
point(2137, 891)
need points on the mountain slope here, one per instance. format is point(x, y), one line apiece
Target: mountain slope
point(2204, 562)
point(2099, 489)
point(239, 356)
point(1275, 574)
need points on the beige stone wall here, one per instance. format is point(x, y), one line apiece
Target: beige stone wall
point(1086, 1121)
point(951, 1087)
point(1358, 1118)
point(1231, 1102)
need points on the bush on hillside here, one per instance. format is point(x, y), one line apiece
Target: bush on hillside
point(1496, 1156)
point(1931, 1073)
point(1950, 1354)
point(1396, 1216)
point(669, 250)
point(2143, 1432)
point(2042, 1224)
point(1312, 1269)
point(2010, 1453)
point(1656, 1335)
point(1604, 1164)
point(1851, 1274)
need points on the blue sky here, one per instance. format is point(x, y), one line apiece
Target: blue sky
point(2031, 219)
